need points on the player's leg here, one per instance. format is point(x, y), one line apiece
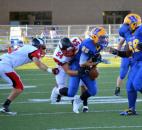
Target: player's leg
point(73, 85)
point(72, 88)
point(85, 102)
point(137, 81)
point(91, 91)
point(72, 91)
point(17, 86)
point(124, 67)
point(131, 92)
point(61, 79)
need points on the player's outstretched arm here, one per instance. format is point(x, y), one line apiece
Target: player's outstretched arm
point(39, 64)
point(119, 53)
point(44, 67)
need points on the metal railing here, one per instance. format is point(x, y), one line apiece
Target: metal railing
point(44, 31)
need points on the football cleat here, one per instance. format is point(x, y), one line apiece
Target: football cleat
point(77, 104)
point(54, 95)
point(117, 91)
point(85, 109)
point(128, 112)
point(6, 111)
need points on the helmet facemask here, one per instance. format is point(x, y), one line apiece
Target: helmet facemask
point(69, 52)
point(133, 26)
point(66, 47)
point(103, 41)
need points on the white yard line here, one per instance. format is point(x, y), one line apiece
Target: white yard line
point(7, 86)
point(60, 113)
point(91, 100)
point(97, 127)
point(29, 93)
point(5, 93)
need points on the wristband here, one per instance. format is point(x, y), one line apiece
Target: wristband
point(49, 70)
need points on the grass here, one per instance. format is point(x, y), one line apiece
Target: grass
point(46, 116)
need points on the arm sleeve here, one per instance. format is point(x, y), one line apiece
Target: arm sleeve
point(59, 62)
point(35, 53)
point(121, 53)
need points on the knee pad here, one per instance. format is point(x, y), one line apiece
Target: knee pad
point(64, 91)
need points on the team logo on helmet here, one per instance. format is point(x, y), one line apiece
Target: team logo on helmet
point(133, 20)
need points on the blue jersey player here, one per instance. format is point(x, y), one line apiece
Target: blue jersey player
point(134, 83)
point(86, 57)
point(125, 32)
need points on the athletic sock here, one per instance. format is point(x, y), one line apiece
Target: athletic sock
point(6, 103)
point(132, 97)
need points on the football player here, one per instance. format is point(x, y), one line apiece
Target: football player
point(84, 60)
point(134, 84)
point(126, 33)
point(62, 56)
point(13, 46)
point(126, 63)
point(21, 56)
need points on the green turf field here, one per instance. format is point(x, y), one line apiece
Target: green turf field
point(35, 114)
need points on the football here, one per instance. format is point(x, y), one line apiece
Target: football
point(94, 73)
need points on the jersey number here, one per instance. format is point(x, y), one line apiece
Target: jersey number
point(133, 45)
point(59, 54)
point(75, 42)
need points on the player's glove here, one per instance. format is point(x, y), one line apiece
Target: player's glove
point(55, 71)
point(97, 58)
point(112, 50)
point(83, 71)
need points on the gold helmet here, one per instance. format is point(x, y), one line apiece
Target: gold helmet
point(133, 20)
point(99, 35)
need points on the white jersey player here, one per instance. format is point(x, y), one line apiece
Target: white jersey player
point(21, 56)
point(61, 57)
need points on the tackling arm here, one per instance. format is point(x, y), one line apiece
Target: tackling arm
point(80, 72)
point(68, 71)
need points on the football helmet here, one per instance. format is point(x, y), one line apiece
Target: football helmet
point(67, 47)
point(99, 36)
point(133, 20)
point(38, 43)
